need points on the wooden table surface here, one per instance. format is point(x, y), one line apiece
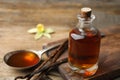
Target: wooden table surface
point(17, 16)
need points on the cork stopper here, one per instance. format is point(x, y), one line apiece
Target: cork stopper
point(86, 12)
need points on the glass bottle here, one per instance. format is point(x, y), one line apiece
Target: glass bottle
point(84, 45)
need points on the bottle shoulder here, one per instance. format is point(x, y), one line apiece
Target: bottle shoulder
point(89, 32)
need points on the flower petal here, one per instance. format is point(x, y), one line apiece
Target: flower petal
point(47, 35)
point(33, 30)
point(49, 30)
point(38, 35)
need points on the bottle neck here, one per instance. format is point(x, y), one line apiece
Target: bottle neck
point(85, 22)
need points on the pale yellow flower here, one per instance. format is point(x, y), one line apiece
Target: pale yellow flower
point(41, 31)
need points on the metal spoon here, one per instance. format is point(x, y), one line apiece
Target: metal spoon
point(37, 53)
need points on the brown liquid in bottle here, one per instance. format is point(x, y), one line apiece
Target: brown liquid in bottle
point(23, 59)
point(83, 48)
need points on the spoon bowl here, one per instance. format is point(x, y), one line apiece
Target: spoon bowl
point(25, 59)
point(22, 59)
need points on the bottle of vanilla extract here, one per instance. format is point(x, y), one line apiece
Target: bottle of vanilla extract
point(84, 44)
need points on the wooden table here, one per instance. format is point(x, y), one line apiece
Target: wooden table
point(17, 16)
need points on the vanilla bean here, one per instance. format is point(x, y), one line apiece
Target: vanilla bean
point(45, 77)
point(55, 58)
point(60, 52)
point(52, 66)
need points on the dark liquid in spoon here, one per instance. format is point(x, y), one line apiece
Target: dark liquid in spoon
point(23, 59)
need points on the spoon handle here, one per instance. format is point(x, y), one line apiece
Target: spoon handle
point(48, 49)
